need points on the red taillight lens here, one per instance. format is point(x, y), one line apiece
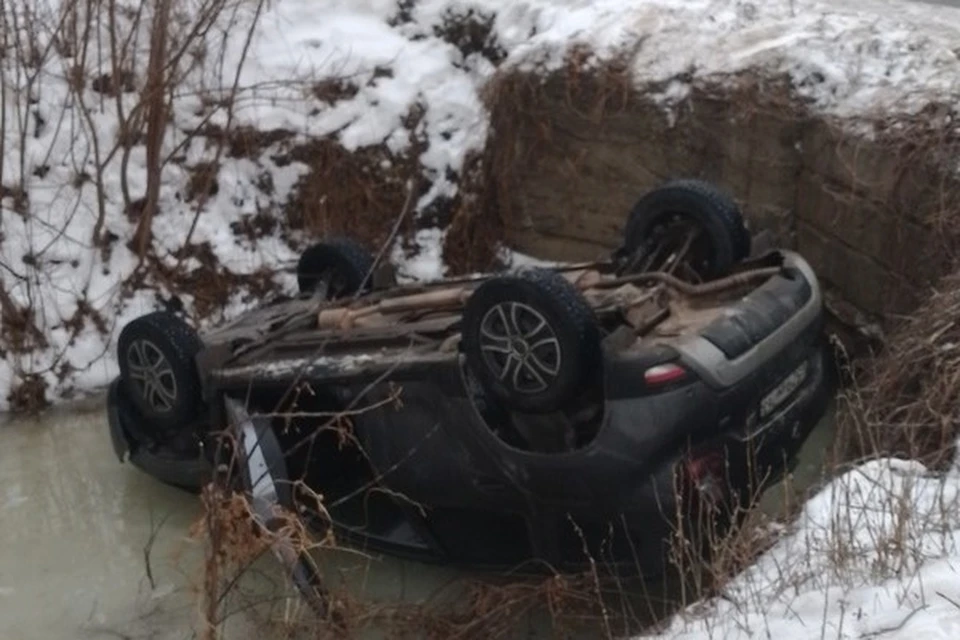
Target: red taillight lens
point(706, 474)
point(704, 465)
point(663, 374)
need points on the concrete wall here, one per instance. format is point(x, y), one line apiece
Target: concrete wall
point(861, 211)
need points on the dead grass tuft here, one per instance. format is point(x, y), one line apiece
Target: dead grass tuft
point(29, 395)
point(210, 283)
point(333, 90)
point(243, 141)
point(18, 328)
point(252, 227)
point(908, 404)
point(202, 181)
point(106, 84)
point(475, 228)
point(471, 32)
point(19, 198)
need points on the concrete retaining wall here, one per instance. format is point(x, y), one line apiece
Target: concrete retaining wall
point(863, 212)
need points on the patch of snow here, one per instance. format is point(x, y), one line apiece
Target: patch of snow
point(874, 554)
point(426, 263)
point(513, 259)
point(280, 368)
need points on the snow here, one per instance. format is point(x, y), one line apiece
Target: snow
point(873, 554)
point(865, 57)
point(281, 368)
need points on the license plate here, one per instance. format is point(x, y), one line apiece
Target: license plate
point(782, 391)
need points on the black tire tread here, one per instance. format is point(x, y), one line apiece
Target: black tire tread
point(724, 206)
point(715, 210)
point(354, 254)
point(566, 295)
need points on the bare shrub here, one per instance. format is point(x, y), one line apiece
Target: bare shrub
point(88, 90)
point(471, 32)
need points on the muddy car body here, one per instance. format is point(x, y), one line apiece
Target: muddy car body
point(553, 414)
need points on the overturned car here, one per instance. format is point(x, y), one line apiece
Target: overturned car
point(552, 414)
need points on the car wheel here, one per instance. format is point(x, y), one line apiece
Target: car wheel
point(342, 266)
point(531, 339)
point(156, 354)
point(689, 227)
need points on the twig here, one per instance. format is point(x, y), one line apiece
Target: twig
point(948, 599)
point(886, 630)
point(231, 109)
point(148, 548)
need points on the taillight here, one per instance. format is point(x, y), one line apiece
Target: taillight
point(706, 475)
point(663, 374)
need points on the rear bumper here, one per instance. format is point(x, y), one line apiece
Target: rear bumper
point(761, 453)
point(757, 329)
point(748, 461)
point(769, 446)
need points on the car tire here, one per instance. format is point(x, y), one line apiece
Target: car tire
point(531, 340)
point(726, 238)
point(156, 354)
point(344, 264)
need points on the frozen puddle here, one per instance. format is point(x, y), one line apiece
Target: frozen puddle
point(75, 523)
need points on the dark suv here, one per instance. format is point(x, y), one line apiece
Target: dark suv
point(547, 414)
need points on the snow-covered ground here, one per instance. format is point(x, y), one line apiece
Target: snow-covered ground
point(874, 554)
point(865, 57)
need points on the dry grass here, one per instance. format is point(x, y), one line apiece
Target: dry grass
point(709, 548)
point(352, 193)
point(908, 397)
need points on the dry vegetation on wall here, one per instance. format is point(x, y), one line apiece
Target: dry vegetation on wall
point(908, 402)
point(872, 203)
point(353, 193)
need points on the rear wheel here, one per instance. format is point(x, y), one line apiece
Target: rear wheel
point(335, 268)
point(156, 356)
point(531, 340)
point(687, 227)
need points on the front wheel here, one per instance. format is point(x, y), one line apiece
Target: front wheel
point(156, 356)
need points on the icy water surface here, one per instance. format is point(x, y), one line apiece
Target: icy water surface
point(75, 523)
